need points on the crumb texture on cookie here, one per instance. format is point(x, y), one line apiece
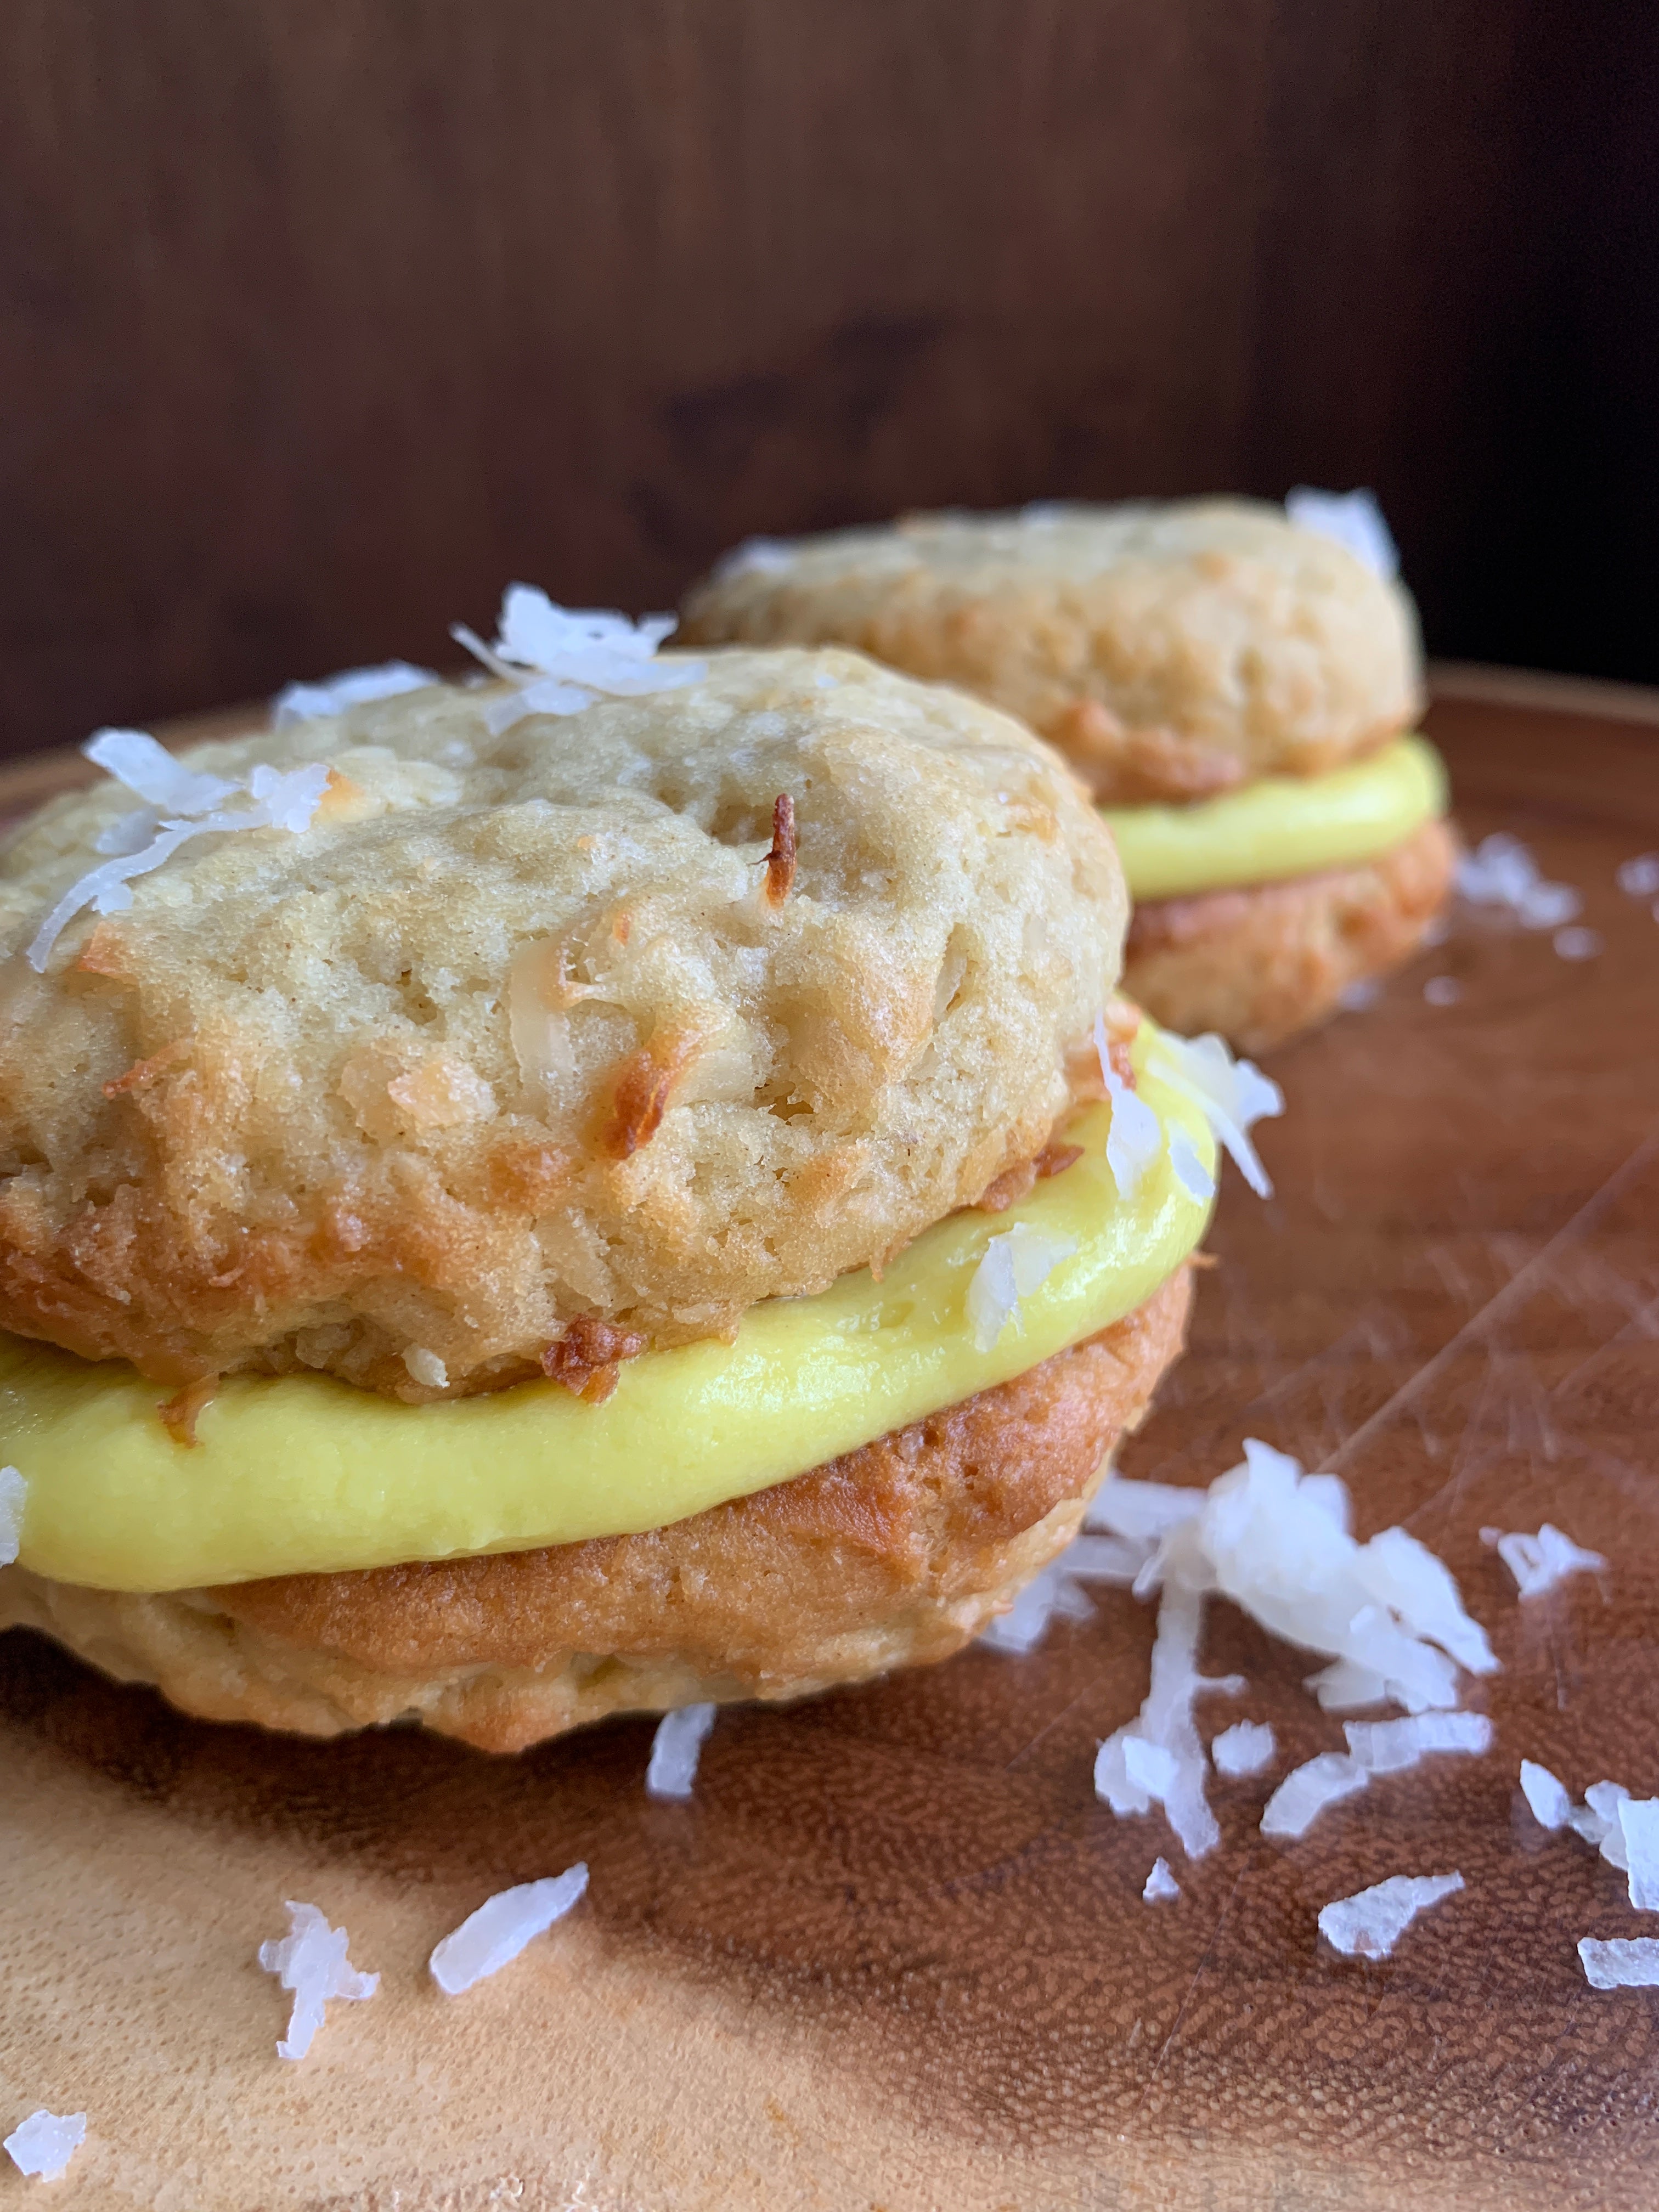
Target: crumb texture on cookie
point(895, 1554)
point(1260, 964)
point(1172, 651)
point(525, 1029)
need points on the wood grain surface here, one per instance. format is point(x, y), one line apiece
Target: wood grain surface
point(320, 319)
point(893, 1954)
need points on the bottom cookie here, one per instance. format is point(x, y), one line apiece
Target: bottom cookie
point(893, 1555)
point(1260, 963)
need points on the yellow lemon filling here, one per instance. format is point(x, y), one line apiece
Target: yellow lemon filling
point(1281, 826)
point(305, 1474)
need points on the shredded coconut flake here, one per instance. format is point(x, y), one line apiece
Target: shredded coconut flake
point(1143, 1513)
point(1016, 1264)
point(1552, 1807)
point(1501, 871)
point(1126, 1776)
point(14, 1495)
point(493, 1936)
point(1442, 990)
point(1345, 1686)
point(1539, 1562)
point(1638, 1825)
point(180, 804)
point(755, 557)
point(1049, 1596)
point(563, 659)
point(1149, 1767)
point(425, 1367)
point(1135, 1137)
point(44, 2144)
point(1232, 1095)
point(1639, 878)
point(1357, 997)
point(1576, 944)
point(1190, 1171)
point(1280, 1550)
point(675, 1750)
point(1276, 1542)
point(1308, 1790)
point(1622, 1964)
point(1391, 1747)
point(1372, 1922)
point(352, 687)
point(310, 1961)
point(1160, 1883)
point(1597, 1820)
point(150, 772)
point(1055, 1593)
point(1353, 519)
point(1246, 1747)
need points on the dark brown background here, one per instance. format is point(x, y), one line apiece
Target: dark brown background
point(320, 319)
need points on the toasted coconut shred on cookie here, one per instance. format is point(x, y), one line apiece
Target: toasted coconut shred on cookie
point(627, 1184)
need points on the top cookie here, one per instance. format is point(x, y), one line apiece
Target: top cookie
point(524, 1030)
point(1170, 651)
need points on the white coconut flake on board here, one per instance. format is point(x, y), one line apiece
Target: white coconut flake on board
point(1232, 1095)
point(1548, 1798)
point(1371, 1922)
point(1246, 1747)
point(1056, 1591)
point(1127, 1775)
point(1392, 1747)
point(42, 2146)
point(675, 1750)
point(1356, 997)
point(1639, 878)
point(352, 687)
point(563, 659)
point(493, 1936)
point(1578, 944)
point(1345, 1686)
point(1623, 1963)
point(179, 804)
point(1442, 990)
point(1538, 1563)
point(1353, 519)
point(1277, 1542)
point(1308, 1790)
point(1015, 1265)
point(1050, 1595)
point(1597, 1820)
point(1142, 1513)
point(310, 1961)
point(1638, 1826)
point(14, 1495)
point(1149, 1767)
point(1160, 1884)
point(1501, 872)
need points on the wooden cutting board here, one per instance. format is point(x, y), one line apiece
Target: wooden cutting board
point(894, 1953)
